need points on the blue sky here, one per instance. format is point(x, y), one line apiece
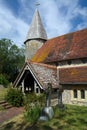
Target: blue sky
point(58, 16)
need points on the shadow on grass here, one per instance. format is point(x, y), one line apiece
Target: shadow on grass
point(8, 126)
point(82, 121)
point(60, 127)
point(32, 127)
point(45, 127)
point(56, 123)
point(37, 126)
point(21, 126)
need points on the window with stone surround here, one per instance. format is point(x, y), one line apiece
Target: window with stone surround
point(82, 91)
point(78, 94)
point(75, 93)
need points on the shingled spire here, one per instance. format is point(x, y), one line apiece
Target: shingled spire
point(36, 36)
point(36, 28)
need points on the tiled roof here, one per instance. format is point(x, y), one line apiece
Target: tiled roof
point(46, 74)
point(42, 73)
point(69, 46)
point(73, 75)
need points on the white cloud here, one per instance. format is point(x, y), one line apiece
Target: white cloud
point(12, 27)
point(56, 15)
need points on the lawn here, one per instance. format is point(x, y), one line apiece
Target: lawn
point(72, 118)
point(2, 93)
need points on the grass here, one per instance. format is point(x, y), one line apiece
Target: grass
point(72, 118)
point(2, 93)
point(2, 96)
point(16, 123)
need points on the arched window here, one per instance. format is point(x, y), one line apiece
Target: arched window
point(75, 93)
point(82, 94)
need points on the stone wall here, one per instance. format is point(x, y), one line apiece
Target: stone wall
point(68, 97)
point(31, 48)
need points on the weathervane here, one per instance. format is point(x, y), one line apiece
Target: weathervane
point(37, 4)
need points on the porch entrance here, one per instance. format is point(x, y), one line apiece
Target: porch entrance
point(29, 84)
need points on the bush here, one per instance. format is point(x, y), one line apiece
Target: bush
point(14, 97)
point(29, 100)
point(33, 104)
point(33, 99)
point(3, 80)
point(41, 100)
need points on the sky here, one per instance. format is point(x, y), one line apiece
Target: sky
point(58, 17)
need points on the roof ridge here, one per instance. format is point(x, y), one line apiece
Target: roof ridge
point(67, 34)
point(43, 64)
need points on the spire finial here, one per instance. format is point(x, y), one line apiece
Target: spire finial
point(37, 4)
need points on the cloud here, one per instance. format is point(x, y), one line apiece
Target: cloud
point(59, 14)
point(82, 13)
point(56, 23)
point(57, 17)
point(12, 27)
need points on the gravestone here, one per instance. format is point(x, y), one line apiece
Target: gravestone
point(48, 95)
point(60, 103)
point(47, 112)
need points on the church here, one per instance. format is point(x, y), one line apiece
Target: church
point(60, 61)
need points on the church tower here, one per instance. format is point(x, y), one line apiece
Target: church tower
point(36, 36)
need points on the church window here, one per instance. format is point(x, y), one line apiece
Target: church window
point(69, 62)
point(82, 94)
point(84, 61)
point(75, 93)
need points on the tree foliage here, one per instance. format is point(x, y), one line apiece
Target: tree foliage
point(11, 59)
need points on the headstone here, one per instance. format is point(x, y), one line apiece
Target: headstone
point(47, 112)
point(60, 103)
point(48, 95)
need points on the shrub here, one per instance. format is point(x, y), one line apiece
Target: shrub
point(41, 100)
point(14, 97)
point(33, 99)
point(33, 104)
point(3, 80)
point(29, 100)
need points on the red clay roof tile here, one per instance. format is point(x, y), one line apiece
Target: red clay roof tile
point(73, 75)
point(69, 46)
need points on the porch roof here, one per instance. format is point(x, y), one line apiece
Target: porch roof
point(42, 73)
point(46, 74)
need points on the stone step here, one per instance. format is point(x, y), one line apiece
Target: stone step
point(5, 105)
point(8, 106)
point(3, 101)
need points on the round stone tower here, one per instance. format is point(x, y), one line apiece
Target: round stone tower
point(36, 36)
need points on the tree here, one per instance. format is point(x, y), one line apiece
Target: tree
point(11, 59)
